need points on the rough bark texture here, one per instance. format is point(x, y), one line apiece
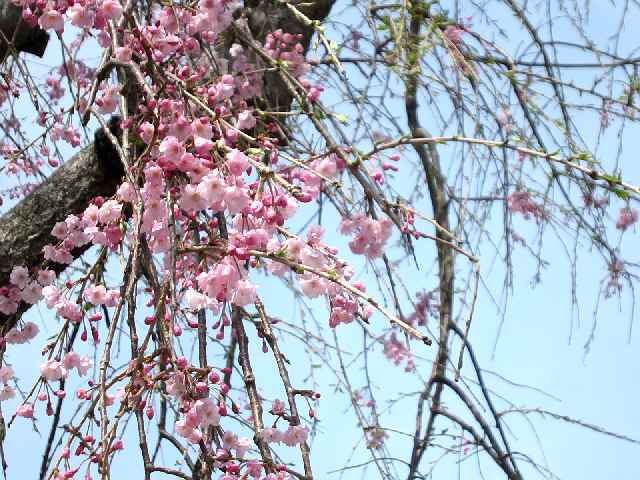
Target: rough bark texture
point(23, 37)
point(26, 228)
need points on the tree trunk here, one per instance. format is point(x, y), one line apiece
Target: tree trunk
point(26, 228)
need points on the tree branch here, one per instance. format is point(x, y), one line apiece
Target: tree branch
point(96, 170)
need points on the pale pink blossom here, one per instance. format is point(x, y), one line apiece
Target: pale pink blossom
point(15, 336)
point(145, 131)
point(271, 435)
point(109, 211)
point(81, 16)
point(95, 294)
point(46, 277)
point(191, 199)
point(69, 310)
point(84, 365)
point(244, 293)
point(212, 187)
point(90, 215)
point(7, 393)
point(171, 149)
point(71, 360)
point(277, 407)
point(29, 331)
point(126, 192)
point(453, 33)
point(25, 410)
point(626, 218)
point(51, 19)
point(236, 199)
point(53, 370)
point(7, 306)
point(237, 162)
point(181, 128)
point(60, 230)
point(6, 374)
point(111, 9)
point(195, 300)
point(19, 276)
point(108, 101)
point(312, 285)
point(113, 296)
point(31, 293)
point(208, 413)
point(295, 435)
point(311, 257)
point(192, 434)
point(246, 120)
point(123, 54)
point(51, 295)
point(202, 128)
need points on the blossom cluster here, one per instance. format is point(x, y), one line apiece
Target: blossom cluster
point(521, 202)
point(210, 194)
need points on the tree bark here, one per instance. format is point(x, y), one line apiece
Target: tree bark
point(15, 31)
point(26, 228)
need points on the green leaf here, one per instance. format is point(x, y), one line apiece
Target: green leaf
point(611, 178)
point(622, 194)
point(255, 151)
point(341, 118)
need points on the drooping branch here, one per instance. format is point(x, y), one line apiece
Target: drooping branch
point(96, 170)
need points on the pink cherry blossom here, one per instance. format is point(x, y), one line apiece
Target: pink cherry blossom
point(453, 33)
point(108, 101)
point(110, 211)
point(246, 120)
point(53, 370)
point(191, 199)
point(192, 434)
point(81, 16)
point(25, 410)
point(29, 330)
point(71, 360)
point(19, 276)
point(172, 149)
point(32, 292)
point(7, 306)
point(60, 230)
point(207, 411)
point(237, 162)
point(111, 9)
point(195, 300)
point(626, 218)
point(69, 310)
point(123, 54)
point(212, 187)
point(6, 374)
point(51, 295)
point(312, 285)
point(145, 131)
point(7, 393)
point(244, 293)
point(46, 277)
point(95, 294)
point(84, 365)
point(51, 19)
